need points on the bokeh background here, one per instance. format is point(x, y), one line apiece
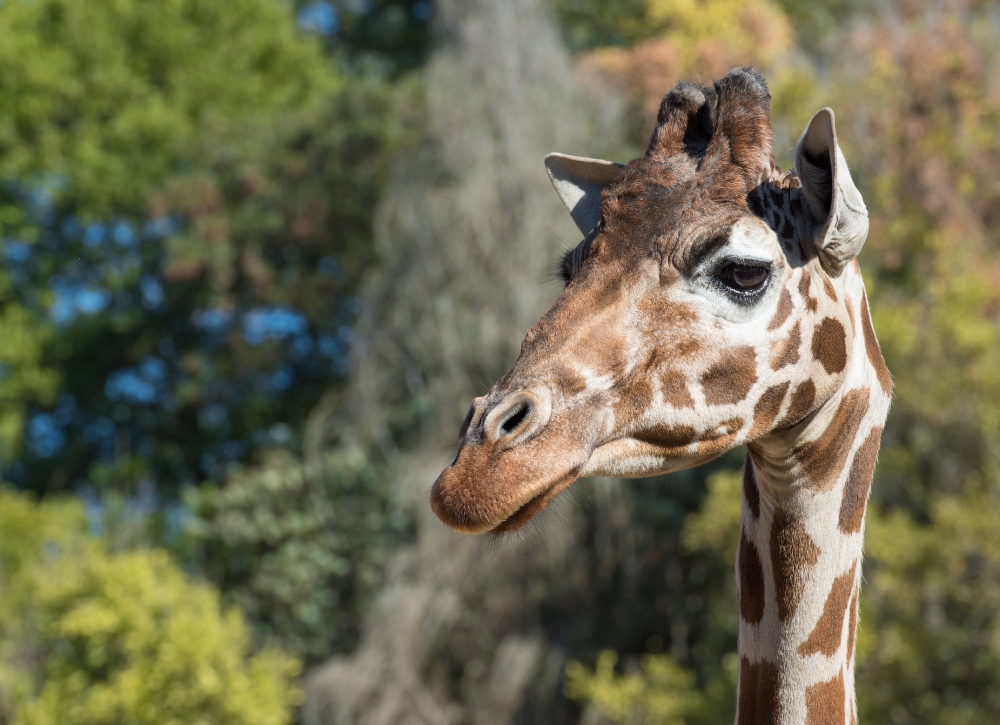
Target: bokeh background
point(257, 257)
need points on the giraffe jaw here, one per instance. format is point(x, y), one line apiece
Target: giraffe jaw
point(497, 498)
point(520, 518)
point(497, 492)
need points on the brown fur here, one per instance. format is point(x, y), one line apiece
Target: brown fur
point(571, 384)
point(828, 287)
point(716, 442)
point(760, 684)
point(822, 460)
point(803, 401)
point(751, 597)
point(679, 436)
point(744, 125)
point(859, 481)
point(829, 345)
point(750, 491)
point(731, 377)
point(766, 410)
point(684, 123)
point(783, 310)
point(873, 350)
point(829, 630)
point(793, 553)
point(633, 400)
point(804, 282)
point(825, 702)
point(673, 385)
point(786, 352)
point(852, 626)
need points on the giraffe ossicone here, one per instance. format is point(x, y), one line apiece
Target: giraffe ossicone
point(714, 301)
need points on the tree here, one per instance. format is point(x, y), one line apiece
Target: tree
point(299, 546)
point(187, 205)
point(88, 636)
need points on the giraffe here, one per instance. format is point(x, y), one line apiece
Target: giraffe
point(714, 301)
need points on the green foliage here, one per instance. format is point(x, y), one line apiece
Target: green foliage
point(594, 23)
point(663, 690)
point(24, 378)
point(300, 548)
point(818, 22)
point(715, 527)
point(661, 693)
point(266, 205)
point(88, 637)
point(105, 94)
point(929, 643)
point(389, 36)
point(698, 27)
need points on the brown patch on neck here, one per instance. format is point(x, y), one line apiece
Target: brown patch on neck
point(731, 377)
point(673, 385)
point(766, 410)
point(852, 625)
point(801, 405)
point(825, 702)
point(804, 282)
point(829, 630)
point(750, 491)
point(828, 287)
point(793, 553)
point(786, 352)
point(873, 350)
point(758, 701)
point(782, 312)
point(859, 483)
point(823, 459)
point(829, 345)
point(751, 596)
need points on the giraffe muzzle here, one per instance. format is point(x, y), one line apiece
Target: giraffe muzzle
point(513, 459)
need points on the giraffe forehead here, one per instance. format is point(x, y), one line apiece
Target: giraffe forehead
point(654, 211)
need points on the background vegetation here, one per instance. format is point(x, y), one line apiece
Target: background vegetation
point(259, 255)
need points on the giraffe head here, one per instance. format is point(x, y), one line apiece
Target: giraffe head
point(706, 307)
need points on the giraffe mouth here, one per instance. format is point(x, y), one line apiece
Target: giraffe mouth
point(534, 506)
point(476, 495)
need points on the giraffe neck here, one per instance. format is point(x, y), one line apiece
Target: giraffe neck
point(798, 568)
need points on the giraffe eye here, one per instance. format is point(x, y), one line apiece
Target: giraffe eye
point(745, 281)
point(573, 260)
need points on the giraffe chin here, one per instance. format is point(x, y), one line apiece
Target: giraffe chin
point(458, 500)
point(520, 518)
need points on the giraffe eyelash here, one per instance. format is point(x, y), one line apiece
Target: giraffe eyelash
point(725, 276)
point(573, 260)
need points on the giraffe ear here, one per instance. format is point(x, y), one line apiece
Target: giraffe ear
point(833, 199)
point(579, 183)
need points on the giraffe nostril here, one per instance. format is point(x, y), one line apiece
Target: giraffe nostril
point(515, 419)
